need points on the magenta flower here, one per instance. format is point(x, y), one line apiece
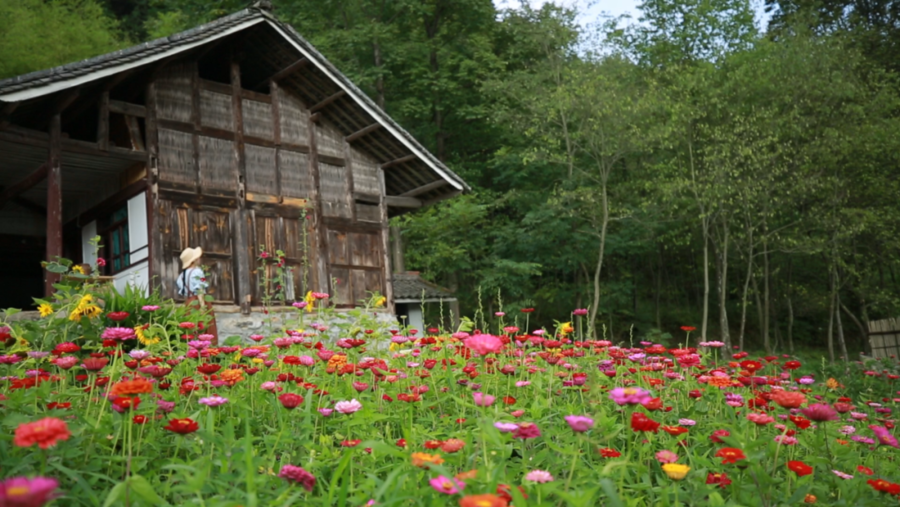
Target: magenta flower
point(164, 406)
point(25, 492)
point(526, 431)
point(149, 308)
point(884, 436)
point(580, 312)
point(445, 485)
point(326, 411)
point(484, 344)
point(579, 423)
point(505, 427)
point(820, 412)
point(118, 333)
point(213, 401)
point(483, 400)
point(630, 396)
point(666, 457)
point(298, 475)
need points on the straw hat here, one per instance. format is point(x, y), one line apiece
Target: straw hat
point(189, 255)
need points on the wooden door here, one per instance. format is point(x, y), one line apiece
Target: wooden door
point(355, 265)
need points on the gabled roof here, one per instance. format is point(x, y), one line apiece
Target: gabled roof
point(410, 287)
point(415, 171)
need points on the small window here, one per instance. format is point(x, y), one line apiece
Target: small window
point(113, 230)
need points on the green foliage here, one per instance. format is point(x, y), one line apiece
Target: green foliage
point(37, 34)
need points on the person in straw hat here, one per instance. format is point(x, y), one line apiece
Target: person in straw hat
point(191, 284)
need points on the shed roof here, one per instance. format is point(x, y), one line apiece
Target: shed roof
point(411, 287)
point(411, 171)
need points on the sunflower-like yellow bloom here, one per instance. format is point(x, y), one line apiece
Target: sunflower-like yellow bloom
point(143, 338)
point(310, 301)
point(45, 309)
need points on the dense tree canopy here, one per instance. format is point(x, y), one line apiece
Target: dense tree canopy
point(686, 170)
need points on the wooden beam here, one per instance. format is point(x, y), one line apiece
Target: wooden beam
point(401, 160)
point(5, 112)
point(441, 198)
point(283, 73)
point(402, 202)
point(362, 132)
point(54, 202)
point(241, 216)
point(103, 122)
point(24, 184)
point(424, 188)
point(366, 198)
point(327, 101)
point(386, 271)
point(117, 106)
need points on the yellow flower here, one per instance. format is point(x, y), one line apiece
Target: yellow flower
point(567, 328)
point(380, 302)
point(91, 311)
point(394, 347)
point(310, 301)
point(78, 269)
point(45, 309)
point(676, 471)
point(87, 298)
point(257, 360)
point(142, 337)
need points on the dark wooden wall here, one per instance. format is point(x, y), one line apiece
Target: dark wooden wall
point(236, 170)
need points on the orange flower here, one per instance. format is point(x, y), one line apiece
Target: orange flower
point(719, 381)
point(486, 500)
point(789, 399)
point(467, 475)
point(421, 459)
point(232, 376)
point(44, 432)
point(131, 387)
point(452, 445)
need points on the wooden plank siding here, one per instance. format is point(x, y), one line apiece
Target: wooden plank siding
point(234, 171)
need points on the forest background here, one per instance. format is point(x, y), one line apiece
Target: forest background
point(686, 168)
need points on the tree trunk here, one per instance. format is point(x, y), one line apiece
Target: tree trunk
point(659, 287)
point(766, 295)
point(705, 323)
point(790, 309)
point(723, 287)
point(595, 305)
point(831, 294)
point(379, 79)
point(756, 296)
point(837, 317)
point(746, 289)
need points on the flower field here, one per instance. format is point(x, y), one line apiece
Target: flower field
point(110, 404)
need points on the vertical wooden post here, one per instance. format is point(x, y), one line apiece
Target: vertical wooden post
point(54, 202)
point(155, 223)
point(321, 235)
point(351, 188)
point(276, 135)
point(241, 248)
point(386, 244)
point(103, 122)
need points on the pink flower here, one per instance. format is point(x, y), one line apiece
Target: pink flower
point(820, 412)
point(326, 411)
point(760, 419)
point(484, 344)
point(268, 386)
point(538, 476)
point(666, 457)
point(483, 400)
point(579, 423)
point(118, 333)
point(213, 401)
point(505, 427)
point(66, 362)
point(580, 312)
point(630, 396)
point(307, 361)
point(25, 492)
point(348, 407)
point(526, 430)
point(298, 475)
point(884, 436)
point(149, 308)
point(442, 484)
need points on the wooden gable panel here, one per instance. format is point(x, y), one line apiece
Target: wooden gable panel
point(295, 178)
point(261, 177)
point(176, 157)
point(215, 110)
point(258, 119)
point(218, 170)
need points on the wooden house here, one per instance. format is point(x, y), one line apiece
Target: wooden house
point(233, 136)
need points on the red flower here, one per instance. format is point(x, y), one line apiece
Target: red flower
point(674, 430)
point(800, 421)
point(433, 444)
point(124, 403)
point(640, 422)
point(61, 406)
point(509, 400)
point(182, 426)
point(606, 452)
point(350, 443)
point(117, 316)
point(800, 468)
point(401, 443)
point(730, 455)
point(653, 404)
point(884, 486)
point(718, 434)
point(864, 470)
point(139, 419)
point(791, 365)
point(751, 366)
point(503, 492)
point(94, 364)
point(208, 369)
point(688, 329)
point(44, 432)
point(290, 401)
point(718, 478)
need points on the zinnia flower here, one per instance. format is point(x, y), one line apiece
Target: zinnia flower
point(666, 456)
point(484, 344)
point(182, 426)
point(290, 401)
point(445, 485)
point(629, 396)
point(526, 431)
point(118, 333)
point(579, 423)
point(730, 455)
point(538, 476)
point(213, 401)
point(485, 500)
point(483, 400)
point(297, 475)
point(348, 407)
point(800, 468)
point(676, 471)
point(820, 412)
point(789, 399)
point(884, 436)
point(45, 433)
point(25, 492)
point(421, 459)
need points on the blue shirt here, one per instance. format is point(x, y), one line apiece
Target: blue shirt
point(195, 282)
